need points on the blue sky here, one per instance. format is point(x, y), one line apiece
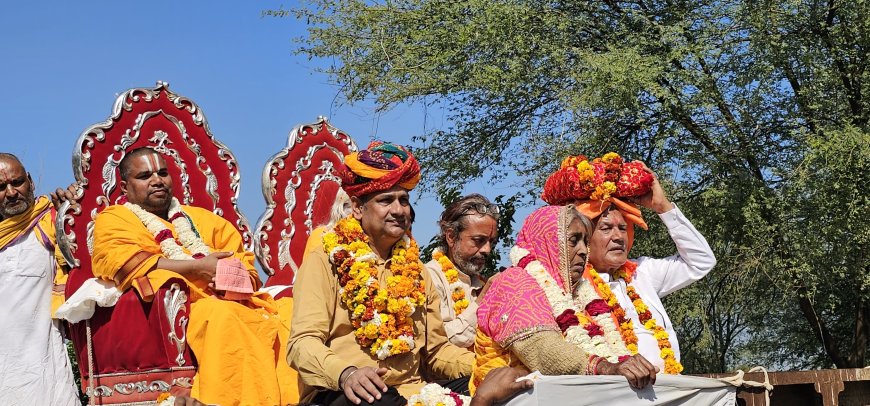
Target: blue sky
point(65, 62)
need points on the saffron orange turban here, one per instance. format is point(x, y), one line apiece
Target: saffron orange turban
point(378, 168)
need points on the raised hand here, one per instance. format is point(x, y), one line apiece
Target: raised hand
point(656, 199)
point(61, 195)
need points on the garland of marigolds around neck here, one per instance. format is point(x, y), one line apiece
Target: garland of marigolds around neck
point(380, 316)
point(626, 325)
point(457, 290)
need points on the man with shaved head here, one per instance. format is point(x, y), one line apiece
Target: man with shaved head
point(150, 238)
point(35, 366)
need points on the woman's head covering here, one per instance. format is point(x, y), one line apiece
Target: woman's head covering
point(544, 235)
point(378, 168)
point(515, 307)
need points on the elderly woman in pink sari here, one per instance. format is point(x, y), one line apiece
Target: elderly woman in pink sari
point(540, 314)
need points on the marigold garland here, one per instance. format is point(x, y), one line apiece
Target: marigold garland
point(457, 289)
point(579, 319)
point(381, 317)
point(580, 178)
point(626, 325)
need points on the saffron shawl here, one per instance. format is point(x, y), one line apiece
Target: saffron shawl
point(515, 306)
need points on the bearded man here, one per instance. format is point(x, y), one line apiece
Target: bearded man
point(36, 368)
point(151, 238)
point(371, 321)
point(469, 228)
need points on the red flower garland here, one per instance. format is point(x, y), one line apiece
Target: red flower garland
point(578, 178)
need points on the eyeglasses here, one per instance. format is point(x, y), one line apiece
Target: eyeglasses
point(482, 209)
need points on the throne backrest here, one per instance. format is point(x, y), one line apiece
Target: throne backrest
point(299, 184)
point(204, 171)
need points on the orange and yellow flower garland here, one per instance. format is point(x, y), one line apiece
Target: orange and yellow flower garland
point(626, 326)
point(381, 317)
point(460, 302)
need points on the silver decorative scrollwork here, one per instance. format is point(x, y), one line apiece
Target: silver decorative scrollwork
point(88, 139)
point(100, 391)
point(174, 302)
point(327, 173)
point(269, 186)
point(290, 196)
point(183, 382)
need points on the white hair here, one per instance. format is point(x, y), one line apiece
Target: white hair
point(340, 208)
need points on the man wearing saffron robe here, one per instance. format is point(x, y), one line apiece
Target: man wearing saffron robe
point(469, 228)
point(613, 191)
point(151, 238)
point(370, 325)
point(34, 365)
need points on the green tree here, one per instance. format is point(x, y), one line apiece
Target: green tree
point(755, 111)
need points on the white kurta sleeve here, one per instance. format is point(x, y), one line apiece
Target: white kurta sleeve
point(694, 259)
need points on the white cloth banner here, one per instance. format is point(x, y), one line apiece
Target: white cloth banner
point(614, 390)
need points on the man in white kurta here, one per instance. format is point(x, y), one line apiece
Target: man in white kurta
point(658, 277)
point(469, 228)
point(34, 366)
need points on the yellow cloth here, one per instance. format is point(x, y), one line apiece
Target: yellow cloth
point(237, 344)
point(119, 236)
point(488, 356)
point(322, 344)
point(40, 216)
point(288, 378)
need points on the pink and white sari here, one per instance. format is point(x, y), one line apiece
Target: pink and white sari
point(515, 307)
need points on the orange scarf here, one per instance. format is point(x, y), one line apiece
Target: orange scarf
point(630, 212)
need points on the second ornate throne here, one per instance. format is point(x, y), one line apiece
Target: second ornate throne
point(299, 184)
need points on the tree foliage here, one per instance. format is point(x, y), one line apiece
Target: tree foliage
point(756, 112)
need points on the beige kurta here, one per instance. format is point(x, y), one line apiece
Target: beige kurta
point(322, 344)
point(460, 328)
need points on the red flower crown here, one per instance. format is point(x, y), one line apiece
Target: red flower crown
point(578, 178)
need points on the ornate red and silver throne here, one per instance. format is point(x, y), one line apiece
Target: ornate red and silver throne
point(135, 350)
point(299, 184)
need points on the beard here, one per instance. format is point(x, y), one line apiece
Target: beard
point(470, 266)
point(19, 206)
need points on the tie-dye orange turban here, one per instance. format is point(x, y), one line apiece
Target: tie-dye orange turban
point(378, 168)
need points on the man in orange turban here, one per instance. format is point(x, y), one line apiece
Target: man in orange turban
point(371, 325)
point(609, 191)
